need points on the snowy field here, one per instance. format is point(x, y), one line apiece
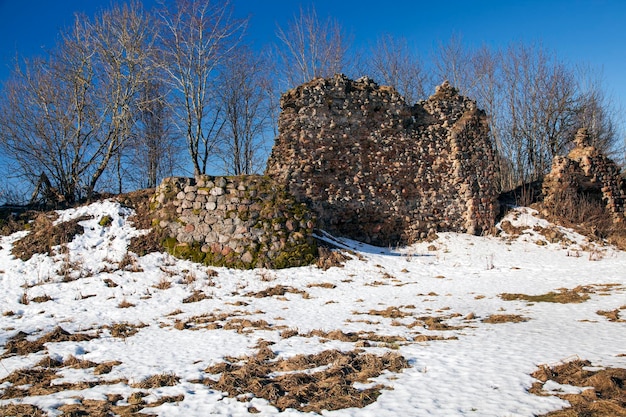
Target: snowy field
point(469, 350)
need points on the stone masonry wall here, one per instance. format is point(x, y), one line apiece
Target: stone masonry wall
point(380, 171)
point(241, 222)
point(586, 171)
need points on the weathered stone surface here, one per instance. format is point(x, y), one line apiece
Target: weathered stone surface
point(227, 222)
point(378, 170)
point(586, 171)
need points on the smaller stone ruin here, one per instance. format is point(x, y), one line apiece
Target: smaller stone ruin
point(381, 171)
point(240, 222)
point(585, 174)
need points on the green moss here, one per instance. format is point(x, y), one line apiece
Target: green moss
point(105, 221)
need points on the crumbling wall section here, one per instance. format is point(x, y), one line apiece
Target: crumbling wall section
point(586, 171)
point(378, 170)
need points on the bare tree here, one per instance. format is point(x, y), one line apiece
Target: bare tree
point(391, 61)
point(197, 36)
point(596, 111)
point(246, 104)
point(66, 117)
point(540, 97)
point(122, 40)
point(452, 62)
point(310, 48)
point(155, 148)
point(47, 122)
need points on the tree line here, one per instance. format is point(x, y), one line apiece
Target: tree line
point(133, 95)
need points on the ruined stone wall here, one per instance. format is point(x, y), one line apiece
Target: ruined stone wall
point(241, 222)
point(380, 171)
point(586, 171)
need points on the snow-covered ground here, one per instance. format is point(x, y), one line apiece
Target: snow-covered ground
point(478, 368)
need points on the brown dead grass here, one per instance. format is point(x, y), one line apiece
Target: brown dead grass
point(355, 337)
point(328, 258)
point(21, 410)
point(278, 290)
point(505, 318)
point(105, 408)
point(564, 296)
point(157, 381)
point(130, 263)
point(44, 235)
point(20, 345)
point(40, 381)
point(328, 285)
point(294, 383)
point(124, 329)
point(607, 398)
point(195, 297)
point(613, 315)
point(389, 312)
point(125, 304)
point(243, 325)
point(41, 299)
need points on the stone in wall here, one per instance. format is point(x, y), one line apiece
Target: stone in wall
point(378, 170)
point(586, 172)
point(240, 222)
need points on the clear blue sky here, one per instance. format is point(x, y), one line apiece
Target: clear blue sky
point(590, 31)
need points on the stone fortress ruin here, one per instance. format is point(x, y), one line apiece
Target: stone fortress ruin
point(378, 170)
point(353, 159)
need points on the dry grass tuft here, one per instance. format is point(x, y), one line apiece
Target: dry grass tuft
point(41, 299)
point(242, 325)
point(612, 315)
point(105, 368)
point(74, 362)
point(20, 345)
point(163, 284)
point(157, 381)
point(21, 410)
point(389, 312)
point(40, 380)
point(195, 297)
point(606, 398)
point(434, 323)
point(44, 235)
point(293, 383)
point(278, 290)
point(124, 329)
point(505, 318)
point(328, 258)
point(110, 283)
point(130, 263)
point(125, 304)
point(328, 285)
point(575, 295)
